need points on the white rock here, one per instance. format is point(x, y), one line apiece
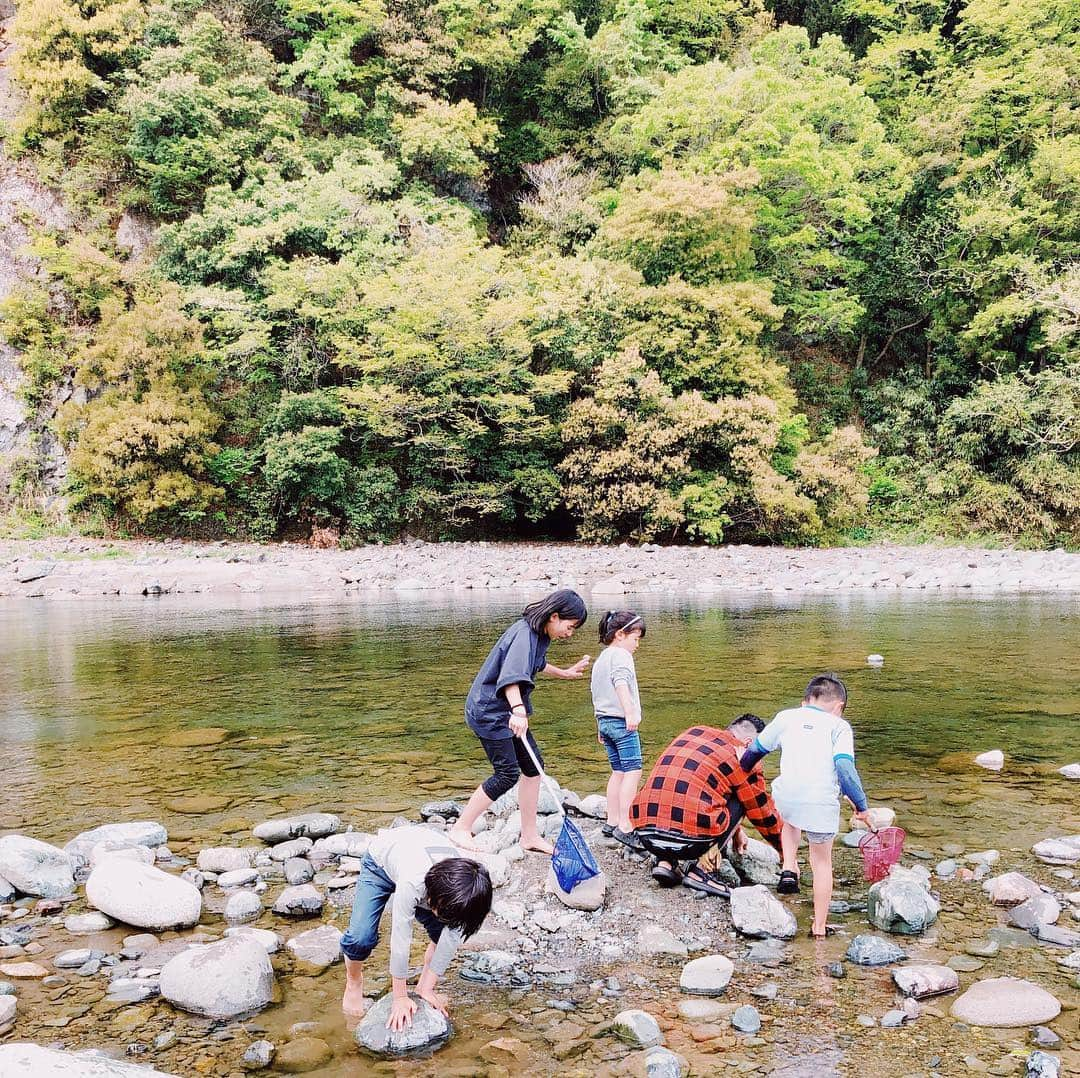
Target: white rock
point(142, 895)
point(875, 660)
point(225, 858)
point(239, 877)
point(304, 900)
point(87, 924)
point(115, 848)
point(925, 980)
point(36, 868)
point(267, 940)
point(707, 976)
point(1051, 851)
point(497, 864)
point(756, 912)
point(1010, 889)
point(318, 948)
point(881, 816)
point(1070, 771)
point(309, 824)
point(294, 847)
point(347, 844)
point(653, 939)
point(134, 833)
point(1038, 910)
point(985, 857)
point(587, 896)
point(8, 1008)
point(637, 1028)
point(219, 980)
point(509, 912)
point(595, 805)
point(994, 760)
point(23, 1060)
point(428, 1030)
point(242, 907)
point(902, 902)
point(1006, 1002)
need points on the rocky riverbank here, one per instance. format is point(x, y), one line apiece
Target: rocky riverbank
point(78, 568)
point(221, 958)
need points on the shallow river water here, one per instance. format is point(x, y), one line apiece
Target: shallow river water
point(356, 708)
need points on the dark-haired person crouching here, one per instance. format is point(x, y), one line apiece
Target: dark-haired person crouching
point(430, 882)
point(695, 798)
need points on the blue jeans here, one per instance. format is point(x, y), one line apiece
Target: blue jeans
point(373, 891)
point(623, 746)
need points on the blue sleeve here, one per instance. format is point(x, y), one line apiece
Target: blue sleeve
point(754, 754)
point(850, 783)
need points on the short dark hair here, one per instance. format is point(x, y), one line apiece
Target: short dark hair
point(566, 603)
point(751, 720)
point(615, 620)
point(826, 687)
point(459, 893)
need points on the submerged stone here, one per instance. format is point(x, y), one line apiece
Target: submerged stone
point(429, 1029)
point(219, 980)
point(866, 950)
point(1006, 1002)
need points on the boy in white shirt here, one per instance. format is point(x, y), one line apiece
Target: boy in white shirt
point(817, 763)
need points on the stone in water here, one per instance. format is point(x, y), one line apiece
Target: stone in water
point(429, 1029)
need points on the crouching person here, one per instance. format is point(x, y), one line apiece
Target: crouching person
point(430, 882)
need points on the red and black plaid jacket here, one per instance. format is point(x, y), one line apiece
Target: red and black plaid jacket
point(688, 789)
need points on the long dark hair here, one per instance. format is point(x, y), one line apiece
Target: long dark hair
point(614, 620)
point(566, 603)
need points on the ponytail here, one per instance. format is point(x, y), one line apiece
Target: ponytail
point(619, 620)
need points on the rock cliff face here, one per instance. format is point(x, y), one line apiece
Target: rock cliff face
point(27, 441)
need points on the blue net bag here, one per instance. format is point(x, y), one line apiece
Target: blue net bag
point(572, 860)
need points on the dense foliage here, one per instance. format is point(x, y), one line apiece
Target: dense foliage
point(605, 268)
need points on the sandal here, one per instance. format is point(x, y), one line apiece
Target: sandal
point(829, 931)
point(667, 877)
point(697, 879)
point(627, 838)
point(607, 830)
point(788, 884)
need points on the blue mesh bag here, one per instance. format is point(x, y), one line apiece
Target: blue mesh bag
point(572, 860)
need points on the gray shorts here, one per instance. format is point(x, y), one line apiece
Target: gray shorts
point(816, 838)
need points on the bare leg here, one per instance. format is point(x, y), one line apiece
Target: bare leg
point(821, 866)
point(627, 792)
point(353, 1003)
point(528, 798)
point(790, 837)
point(461, 833)
point(614, 788)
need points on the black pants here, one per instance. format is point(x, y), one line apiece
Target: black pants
point(510, 761)
point(672, 846)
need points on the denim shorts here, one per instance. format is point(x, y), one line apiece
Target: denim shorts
point(816, 838)
point(623, 746)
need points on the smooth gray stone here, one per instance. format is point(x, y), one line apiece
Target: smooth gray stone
point(866, 950)
point(746, 1019)
point(429, 1029)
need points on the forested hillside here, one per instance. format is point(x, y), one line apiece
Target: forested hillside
point(679, 269)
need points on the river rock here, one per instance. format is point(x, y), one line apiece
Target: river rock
point(24, 1060)
point(746, 1019)
point(269, 941)
point(1056, 936)
point(302, 1054)
point(310, 825)
point(302, 901)
point(1005, 1002)
point(1042, 1065)
point(1051, 851)
point(429, 1029)
point(221, 859)
point(866, 950)
point(707, 976)
point(75, 958)
point(925, 980)
point(294, 847)
point(112, 848)
point(881, 816)
point(663, 1063)
point(902, 903)
point(594, 805)
point(242, 907)
point(448, 810)
point(219, 980)
point(637, 1028)
point(588, 895)
point(9, 1006)
point(316, 949)
point(142, 895)
point(259, 1055)
point(994, 760)
point(135, 833)
point(346, 844)
point(756, 912)
point(1070, 771)
point(1038, 910)
point(36, 868)
point(7, 890)
point(87, 924)
point(759, 864)
point(298, 870)
point(1010, 889)
point(653, 939)
point(23, 971)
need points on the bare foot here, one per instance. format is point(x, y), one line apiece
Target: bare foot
point(462, 839)
point(537, 845)
point(353, 1003)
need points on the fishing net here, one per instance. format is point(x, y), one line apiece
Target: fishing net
point(572, 860)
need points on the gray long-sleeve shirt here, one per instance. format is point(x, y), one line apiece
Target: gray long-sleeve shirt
point(406, 854)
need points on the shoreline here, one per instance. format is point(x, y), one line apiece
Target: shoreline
point(81, 568)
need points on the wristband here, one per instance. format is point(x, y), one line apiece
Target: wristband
point(518, 707)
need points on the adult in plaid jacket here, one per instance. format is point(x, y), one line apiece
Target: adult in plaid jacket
point(695, 798)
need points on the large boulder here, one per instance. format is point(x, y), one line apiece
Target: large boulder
point(142, 895)
point(219, 980)
point(309, 824)
point(756, 912)
point(36, 868)
point(22, 1060)
point(1007, 1003)
point(588, 895)
point(135, 833)
point(902, 903)
point(925, 980)
point(429, 1029)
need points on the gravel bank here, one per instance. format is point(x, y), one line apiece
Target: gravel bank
point(91, 569)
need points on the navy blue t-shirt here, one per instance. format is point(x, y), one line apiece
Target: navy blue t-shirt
point(516, 659)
